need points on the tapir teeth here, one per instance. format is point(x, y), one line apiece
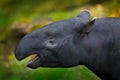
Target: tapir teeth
point(34, 57)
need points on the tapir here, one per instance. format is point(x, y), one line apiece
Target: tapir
point(82, 40)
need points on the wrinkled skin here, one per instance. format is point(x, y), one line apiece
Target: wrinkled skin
point(78, 41)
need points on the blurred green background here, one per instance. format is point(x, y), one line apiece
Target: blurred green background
point(20, 17)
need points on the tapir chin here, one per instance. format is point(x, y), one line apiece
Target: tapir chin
point(94, 43)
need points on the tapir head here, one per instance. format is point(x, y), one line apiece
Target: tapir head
point(58, 44)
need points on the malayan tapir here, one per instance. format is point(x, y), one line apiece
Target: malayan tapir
point(94, 43)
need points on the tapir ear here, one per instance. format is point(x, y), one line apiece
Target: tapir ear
point(84, 15)
point(84, 24)
point(88, 27)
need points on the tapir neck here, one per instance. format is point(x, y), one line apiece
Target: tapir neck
point(96, 50)
point(99, 45)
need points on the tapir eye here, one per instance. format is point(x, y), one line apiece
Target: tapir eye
point(51, 44)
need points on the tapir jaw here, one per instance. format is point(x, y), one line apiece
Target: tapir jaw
point(34, 62)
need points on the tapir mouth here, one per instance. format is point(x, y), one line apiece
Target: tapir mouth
point(33, 58)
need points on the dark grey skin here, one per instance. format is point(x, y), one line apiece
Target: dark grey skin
point(94, 43)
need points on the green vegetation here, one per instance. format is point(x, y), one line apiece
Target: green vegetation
point(19, 17)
